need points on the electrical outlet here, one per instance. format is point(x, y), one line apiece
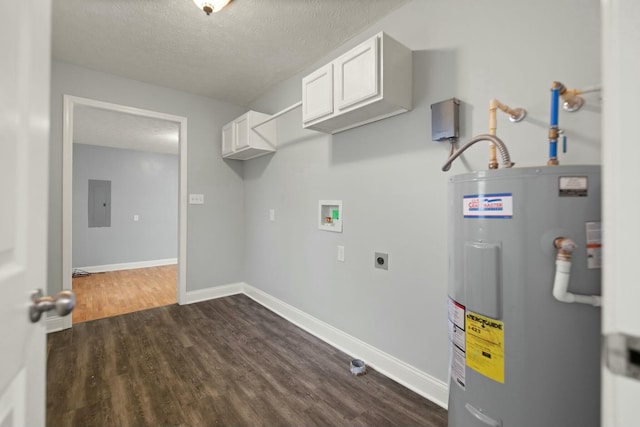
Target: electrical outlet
point(196, 199)
point(381, 260)
point(136, 217)
point(341, 253)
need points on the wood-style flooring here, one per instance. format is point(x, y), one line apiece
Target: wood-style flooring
point(223, 362)
point(117, 292)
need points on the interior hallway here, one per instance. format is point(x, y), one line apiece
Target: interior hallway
point(112, 293)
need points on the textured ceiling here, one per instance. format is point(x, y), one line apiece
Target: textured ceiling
point(235, 55)
point(95, 126)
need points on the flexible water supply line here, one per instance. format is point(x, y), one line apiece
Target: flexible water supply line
point(565, 247)
point(504, 153)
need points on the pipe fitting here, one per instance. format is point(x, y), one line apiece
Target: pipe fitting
point(565, 247)
point(515, 115)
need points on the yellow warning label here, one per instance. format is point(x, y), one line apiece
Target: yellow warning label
point(485, 346)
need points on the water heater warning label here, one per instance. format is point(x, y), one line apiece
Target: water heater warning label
point(457, 343)
point(488, 205)
point(485, 346)
point(594, 245)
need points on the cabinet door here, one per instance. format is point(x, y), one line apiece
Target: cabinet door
point(357, 74)
point(227, 139)
point(317, 94)
point(241, 129)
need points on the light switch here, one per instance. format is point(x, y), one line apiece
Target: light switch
point(272, 214)
point(341, 253)
point(196, 199)
point(136, 217)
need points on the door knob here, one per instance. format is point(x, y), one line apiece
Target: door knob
point(63, 303)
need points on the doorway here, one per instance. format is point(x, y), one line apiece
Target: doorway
point(108, 118)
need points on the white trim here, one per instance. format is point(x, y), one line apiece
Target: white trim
point(128, 265)
point(69, 102)
point(212, 293)
point(56, 323)
point(420, 382)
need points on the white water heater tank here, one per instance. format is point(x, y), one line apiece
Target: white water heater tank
point(519, 356)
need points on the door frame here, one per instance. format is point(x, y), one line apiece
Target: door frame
point(620, 67)
point(69, 103)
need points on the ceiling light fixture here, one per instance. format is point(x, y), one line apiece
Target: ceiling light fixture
point(211, 6)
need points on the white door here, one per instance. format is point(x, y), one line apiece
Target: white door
point(24, 152)
point(621, 151)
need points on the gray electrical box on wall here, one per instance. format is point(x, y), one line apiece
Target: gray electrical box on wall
point(445, 121)
point(99, 203)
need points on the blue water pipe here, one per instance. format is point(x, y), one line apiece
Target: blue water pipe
point(553, 125)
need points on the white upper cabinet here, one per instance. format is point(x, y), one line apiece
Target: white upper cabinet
point(241, 141)
point(371, 82)
point(227, 139)
point(357, 77)
point(317, 94)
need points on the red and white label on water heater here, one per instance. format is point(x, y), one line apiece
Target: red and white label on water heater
point(498, 205)
point(457, 342)
point(594, 245)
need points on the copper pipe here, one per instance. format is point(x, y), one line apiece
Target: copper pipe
point(515, 115)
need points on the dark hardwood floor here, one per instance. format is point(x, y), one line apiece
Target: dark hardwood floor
point(225, 362)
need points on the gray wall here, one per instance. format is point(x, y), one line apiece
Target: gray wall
point(143, 184)
point(388, 173)
point(215, 233)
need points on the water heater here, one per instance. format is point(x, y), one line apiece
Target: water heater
point(524, 285)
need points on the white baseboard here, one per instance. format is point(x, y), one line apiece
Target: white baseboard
point(57, 323)
point(129, 265)
point(420, 382)
point(213, 293)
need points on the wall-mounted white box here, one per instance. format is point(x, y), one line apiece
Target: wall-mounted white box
point(330, 215)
